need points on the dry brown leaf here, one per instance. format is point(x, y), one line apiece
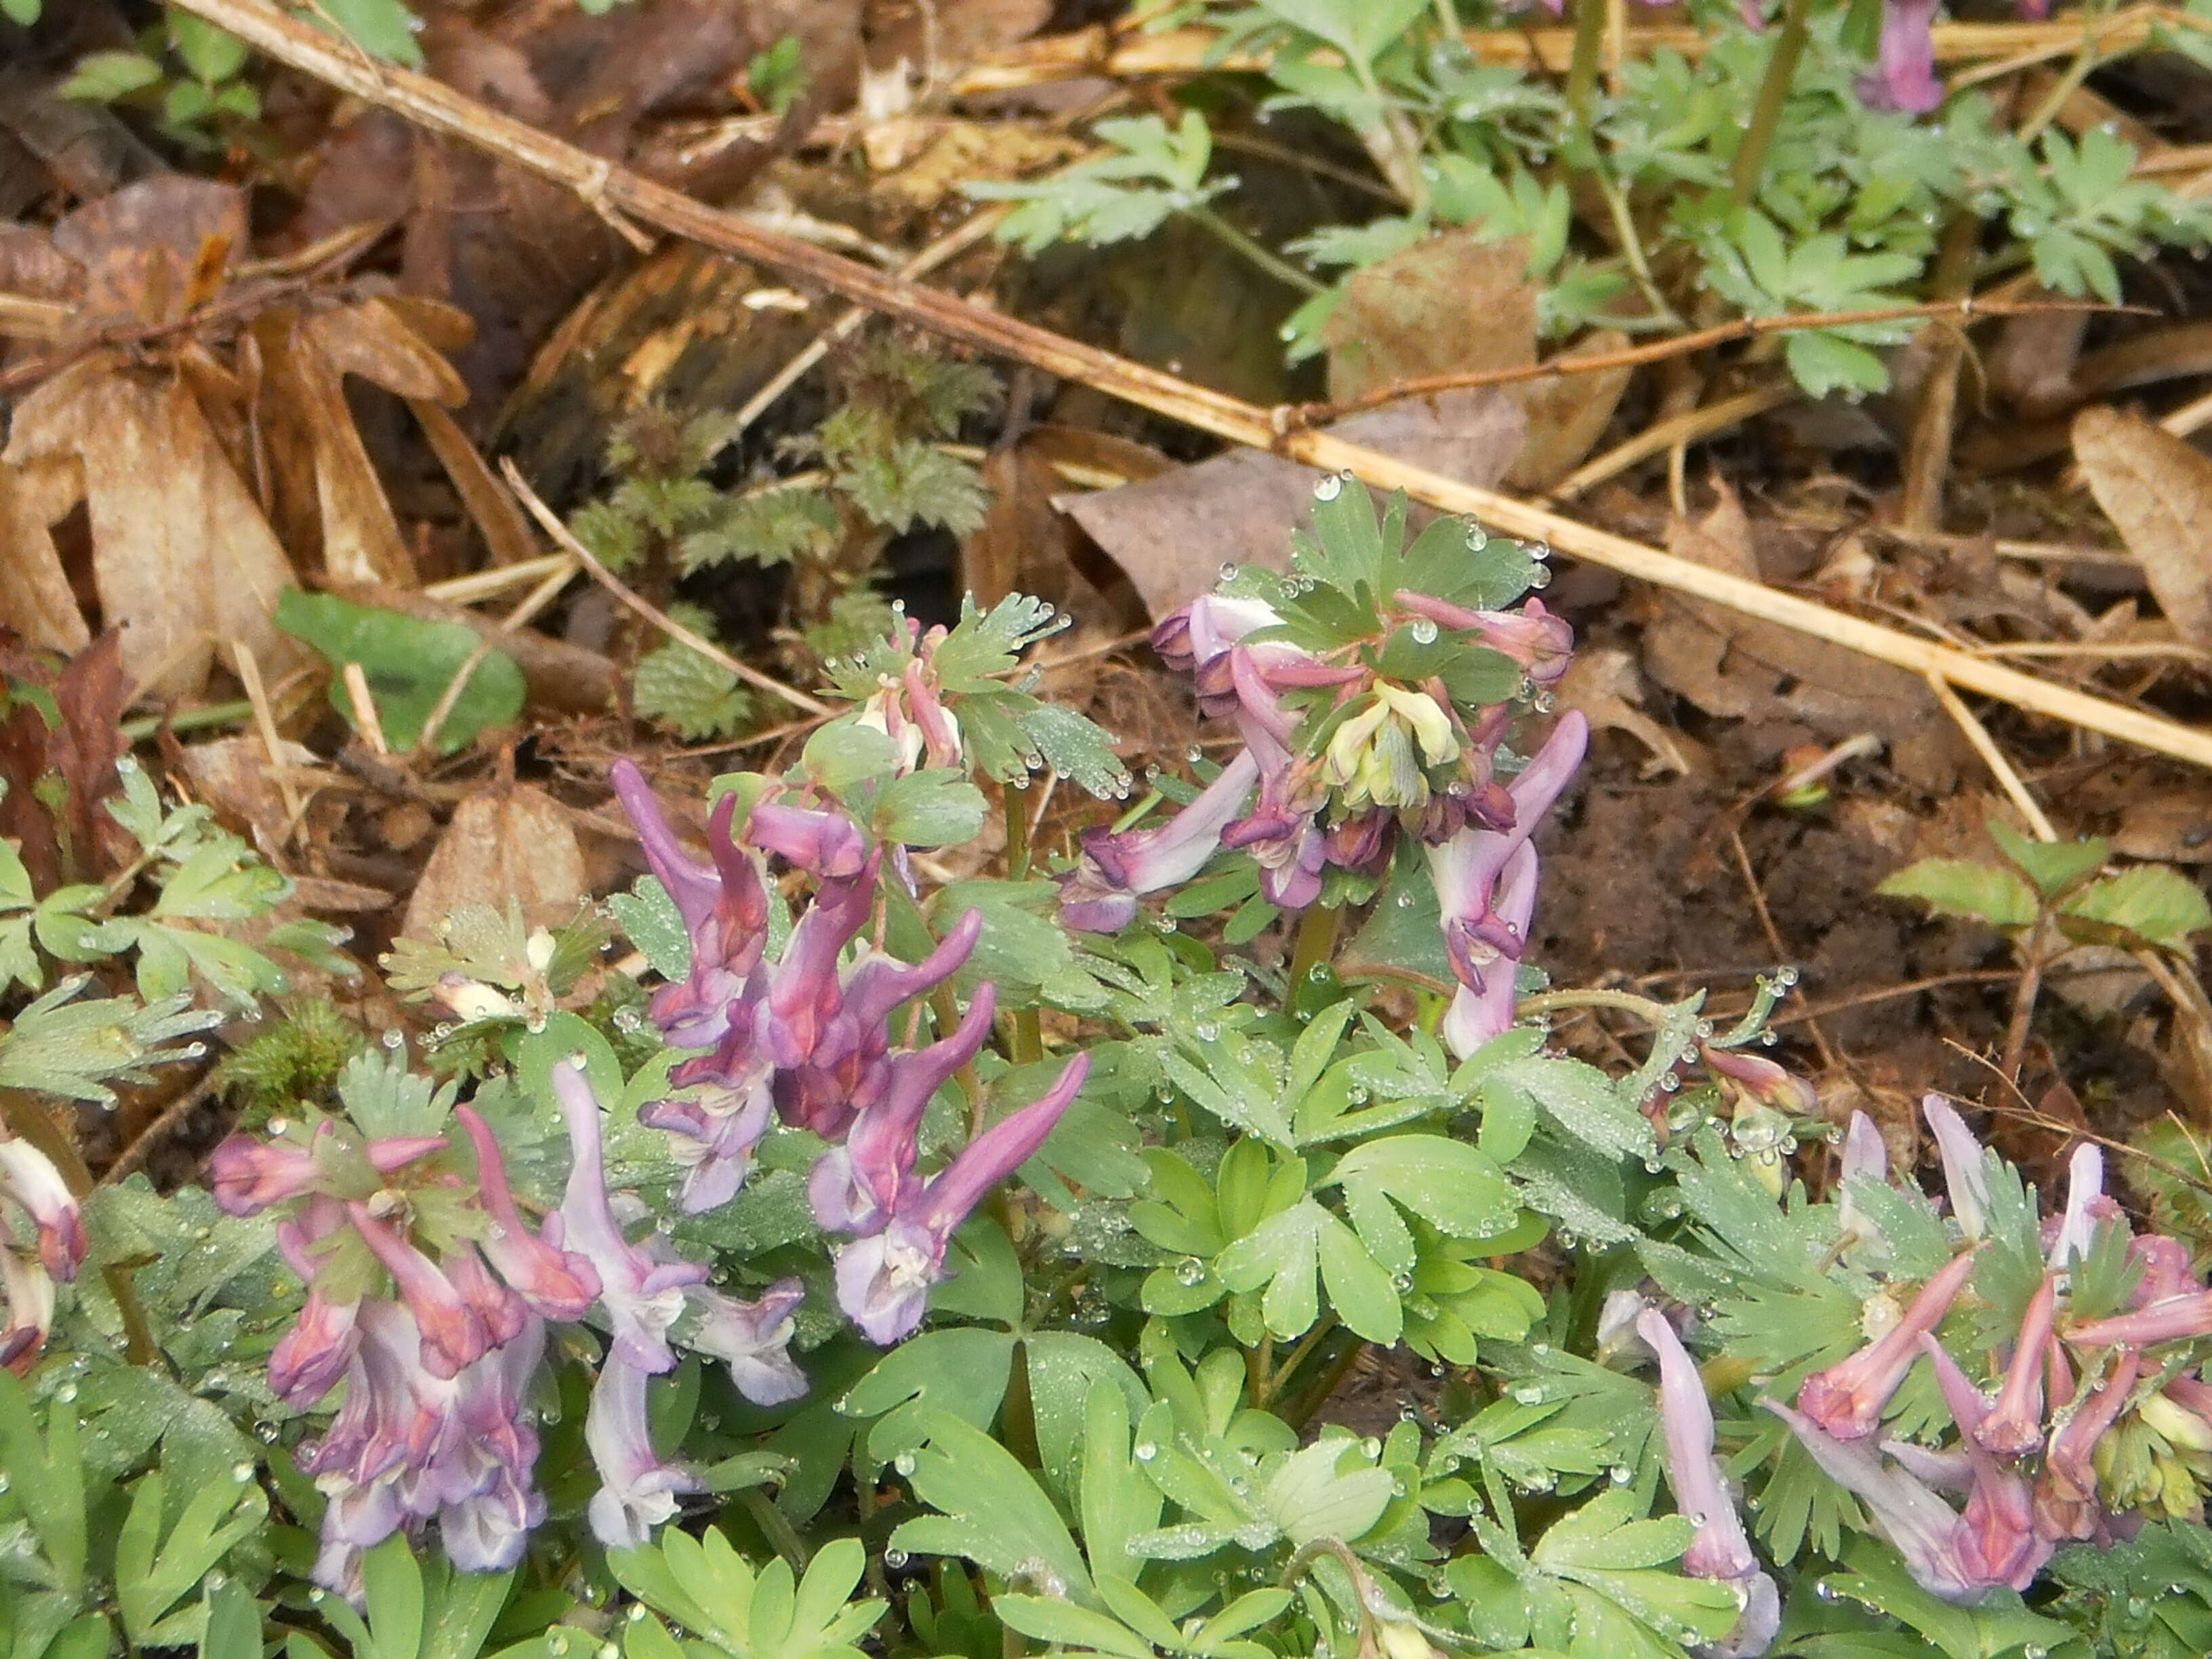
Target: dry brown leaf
point(2157, 491)
point(1567, 414)
point(232, 776)
point(153, 250)
point(1733, 666)
point(1603, 682)
point(514, 842)
point(1454, 303)
point(1027, 545)
point(183, 560)
point(35, 600)
point(1171, 535)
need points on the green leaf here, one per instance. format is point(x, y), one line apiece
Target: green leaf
point(46, 1480)
point(408, 662)
point(1449, 1184)
point(1960, 887)
point(152, 1573)
point(392, 1584)
point(25, 12)
point(382, 26)
point(102, 77)
point(934, 807)
point(2053, 865)
point(652, 922)
point(1286, 1252)
point(230, 1625)
point(211, 53)
point(2000, 1624)
point(2150, 904)
point(992, 1512)
point(1360, 30)
point(692, 696)
point(1075, 746)
point(961, 1371)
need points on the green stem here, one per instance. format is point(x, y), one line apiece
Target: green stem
point(1546, 1002)
point(1631, 248)
point(1582, 75)
point(190, 719)
point(1266, 259)
point(1306, 1345)
point(1315, 943)
point(776, 1527)
point(1773, 94)
point(21, 1114)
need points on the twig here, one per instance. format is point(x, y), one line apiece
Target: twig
point(532, 602)
point(441, 109)
point(366, 720)
point(264, 719)
point(637, 602)
point(1966, 309)
point(1984, 745)
point(1685, 428)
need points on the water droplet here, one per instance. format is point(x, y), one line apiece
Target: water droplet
point(634, 1612)
point(266, 1433)
point(1423, 631)
point(903, 1462)
point(1785, 977)
point(1193, 754)
point(1205, 1030)
point(1529, 1394)
point(1401, 1282)
point(1328, 489)
point(66, 1394)
point(1189, 1270)
point(1228, 571)
point(1371, 1447)
point(1620, 1474)
point(894, 1560)
point(1540, 577)
point(1145, 1451)
point(394, 1038)
point(1477, 536)
point(241, 1473)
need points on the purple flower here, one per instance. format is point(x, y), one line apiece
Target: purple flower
point(1720, 1550)
point(1905, 77)
point(642, 1297)
point(29, 1176)
point(557, 1284)
point(452, 1331)
point(1866, 1157)
point(724, 906)
point(1755, 1079)
point(883, 1279)
point(1923, 1528)
point(1963, 1180)
point(822, 843)
point(30, 1293)
point(715, 1130)
point(2085, 1208)
point(1999, 1542)
point(2014, 1427)
point(1482, 926)
point(637, 1491)
point(1099, 895)
point(1845, 1400)
point(754, 1340)
point(804, 994)
point(854, 1186)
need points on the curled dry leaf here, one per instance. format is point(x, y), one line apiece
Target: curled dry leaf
point(2157, 491)
point(1603, 682)
point(183, 560)
point(514, 842)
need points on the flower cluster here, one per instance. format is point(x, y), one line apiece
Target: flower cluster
point(2095, 1415)
point(429, 1296)
point(1340, 760)
point(804, 1036)
point(29, 1181)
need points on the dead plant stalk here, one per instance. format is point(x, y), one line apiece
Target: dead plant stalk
point(626, 196)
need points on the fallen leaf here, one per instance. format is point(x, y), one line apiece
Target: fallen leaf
point(2171, 826)
point(1603, 682)
point(409, 663)
point(1170, 535)
point(1027, 545)
point(35, 600)
point(1738, 668)
point(232, 776)
point(153, 250)
point(182, 558)
point(1567, 414)
point(514, 842)
point(66, 837)
point(2157, 490)
point(1459, 302)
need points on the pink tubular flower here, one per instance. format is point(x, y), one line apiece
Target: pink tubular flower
point(29, 1290)
point(1100, 895)
point(2066, 1495)
point(642, 1297)
point(1905, 77)
point(714, 1133)
point(1866, 1157)
point(1539, 641)
point(724, 906)
point(1467, 868)
point(2086, 1208)
point(452, 1331)
point(2169, 1320)
point(1999, 1541)
point(29, 1176)
point(1752, 1076)
point(1963, 1180)
point(753, 1339)
point(1845, 1400)
point(1923, 1529)
point(246, 1175)
point(1720, 1550)
point(637, 1491)
point(2014, 1427)
point(883, 1279)
point(557, 1284)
